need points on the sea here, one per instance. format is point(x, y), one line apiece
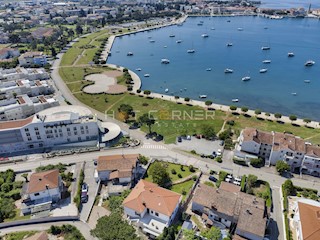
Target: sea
point(281, 89)
point(287, 4)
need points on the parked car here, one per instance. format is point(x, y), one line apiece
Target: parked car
point(221, 143)
point(188, 137)
point(179, 139)
point(212, 178)
point(84, 188)
point(219, 152)
point(84, 197)
point(95, 162)
point(214, 154)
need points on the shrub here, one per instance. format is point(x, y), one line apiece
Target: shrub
point(257, 162)
point(194, 178)
point(219, 159)
point(191, 168)
point(173, 171)
point(230, 122)
point(179, 175)
point(187, 99)
point(138, 90)
point(193, 151)
point(184, 192)
point(233, 108)
point(181, 168)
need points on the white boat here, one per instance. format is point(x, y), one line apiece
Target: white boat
point(152, 41)
point(172, 35)
point(266, 61)
point(166, 90)
point(290, 54)
point(147, 75)
point(208, 69)
point(138, 69)
point(309, 63)
point(228, 70)
point(202, 96)
point(235, 100)
point(294, 94)
point(130, 54)
point(213, 28)
point(229, 44)
point(165, 46)
point(246, 78)
point(204, 35)
point(240, 29)
point(263, 70)
point(265, 48)
point(165, 61)
point(179, 41)
point(191, 51)
point(307, 81)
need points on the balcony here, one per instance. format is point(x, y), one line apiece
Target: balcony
point(150, 224)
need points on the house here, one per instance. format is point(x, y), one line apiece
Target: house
point(118, 168)
point(306, 220)
point(151, 208)
point(32, 58)
point(42, 32)
point(38, 236)
point(6, 53)
point(43, 189)
point(232, 208)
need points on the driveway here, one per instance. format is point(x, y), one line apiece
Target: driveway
point(93, 187)
point(201, 146)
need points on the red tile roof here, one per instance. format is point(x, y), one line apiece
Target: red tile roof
point(43, 180)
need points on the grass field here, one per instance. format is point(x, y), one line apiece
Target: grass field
point(182, 187)
point(19, 235)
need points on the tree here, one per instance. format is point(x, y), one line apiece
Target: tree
point(14, 38)
point(189, 234)
point(257, 112)
point(282, 166)
point(256, 162)
point(288, 188)
point(208, 131)
point(126, 110)
point(208, 103)
point(213, 233)
point(168, 234)
point(53, 52)
point(103, 21)
point(187, 99)
point(251, 181)
point(147, 119)
point(79, 29)
point(147, 92)
point(278, 115)
point(244, 109)
point(307, 120)
point(159, 174)
point(114, 227)
point(25, 176)
point(233, 108)
point(176, 97)
point(293, 118)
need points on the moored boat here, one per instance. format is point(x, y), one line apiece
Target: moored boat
point(266, 61)
point(130, 54)
point(208, 69)
point(138, 69)
point(246, 78)
point(228, 70)
point(179, 41)
point(204, 35)
point(265, 48)
point(290, 54)
point(190, 51)
point(229, 44)
point(147, 75)
point(235, 100)
point(263, 70)
point(309, 63)
point(307, 81)
point(202, 96)
point(165, 61)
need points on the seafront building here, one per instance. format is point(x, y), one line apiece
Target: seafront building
point(23, 73)
point(274, 146)
point(29, 59)
point(56, 128)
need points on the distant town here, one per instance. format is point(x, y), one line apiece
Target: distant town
point(85, 153)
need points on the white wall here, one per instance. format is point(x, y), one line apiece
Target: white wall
point(247, 235)
point(250, 146)
point(54, 193)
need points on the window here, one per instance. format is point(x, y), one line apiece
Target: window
point(36, 129)
point(157, 214)
point(37, 194)
point(29, 138)
point(28, 134)
point(26, 129)
point(74, 129)
point(38, 137)
point(79, 139)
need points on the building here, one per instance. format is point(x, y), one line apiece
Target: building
point(120, 169)
point(151, 207)
point(42, 190)
point(23, 73)
point(306, 220)
point(38, 236)
point(57, 127)
point(274, 146)
point(32, 58)
point(6, 53)
point(232, 208)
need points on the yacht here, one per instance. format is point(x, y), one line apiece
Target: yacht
point(228, 70)
point(247, 78)
point(240, 29)
point(265, 48)
point(263, 70)
point(165, 61)
point(229, 44)
point(130, 54)
point(208, 69)
point(294, 94)
point(179, 41)
point(202, 96)
point(152, 41)
point(147, 75)
point(290, 54)
point(191, 51)
point(166, 90)
point(213, 28)
point(165, 46)
point(172, 35)
point(204, 35)
point(309, 63)
point(266, 61)
point(235, 100)
point(307, 81)
point(138, 69)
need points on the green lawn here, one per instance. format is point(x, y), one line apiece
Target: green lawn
point(177, 168)
point(17, 217)
point(19, 235)
point(181, 187)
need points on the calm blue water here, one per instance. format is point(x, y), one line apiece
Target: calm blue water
point(270, 92)
point(285, 4)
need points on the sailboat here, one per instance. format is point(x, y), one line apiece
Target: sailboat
point(191, 50)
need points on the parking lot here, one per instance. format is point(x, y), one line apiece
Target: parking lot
point(201, 146)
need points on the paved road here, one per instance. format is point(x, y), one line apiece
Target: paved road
point(276, 215)
point(84, 228)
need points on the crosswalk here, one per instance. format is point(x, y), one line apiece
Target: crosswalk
point(153, 146)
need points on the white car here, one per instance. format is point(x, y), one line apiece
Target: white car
point(219, 152)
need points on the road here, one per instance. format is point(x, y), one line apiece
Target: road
point(276, 215)
point(83, 228)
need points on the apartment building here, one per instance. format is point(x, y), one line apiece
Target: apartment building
point(32, 58)
point(23, 73)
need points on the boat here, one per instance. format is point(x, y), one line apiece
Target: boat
point(165, 61)
point(265, 27)
point(266, 61)
point(228, 70)
point(246, 78)
point(166, 90)
point(191, 51)
point(213, 28)
point(265, 48)
point(147, 75)
point(235, 100)
point(309, 63)
point(152, 41)
point(263, 70)
point(204, 35)
point(165, 46)
point(130, 54)
point(208, 69)
point(138, 69)
point(228, 21)
point(240, 29)
point(179, 41)
point(290, 54)
point(172, 35)
point(307, 81)
point(294, 94)
point(229, 44)
point(200, 24)
point(202, 96)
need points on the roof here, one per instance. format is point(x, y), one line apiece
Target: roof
point(31, 54)
point(117, 162)
point(149, 195)
point(38, 236)
point(312, 150)
point(288, 141)
point(252, 134)
point(15, 123)
point(310, 221)
point(120, 174)
point(43, 180)
point(229, 187)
